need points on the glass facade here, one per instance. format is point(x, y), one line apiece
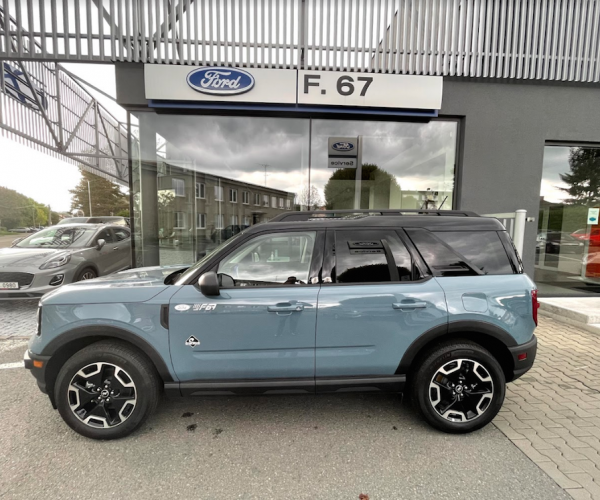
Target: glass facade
point(567, 259)
point(198, 179)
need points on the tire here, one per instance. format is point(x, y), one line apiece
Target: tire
point(107, 369)
point(89, 272)
point(463, 364)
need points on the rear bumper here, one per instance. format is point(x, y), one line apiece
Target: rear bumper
point(527, 352)
point(37, 369)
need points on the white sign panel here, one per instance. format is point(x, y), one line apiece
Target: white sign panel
point(341, 162)
point(220, 84)
point(593, 216)
point(333, 88)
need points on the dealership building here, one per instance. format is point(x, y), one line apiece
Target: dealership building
point(240, 112)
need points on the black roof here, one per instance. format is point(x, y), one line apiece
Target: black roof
point(446, 220)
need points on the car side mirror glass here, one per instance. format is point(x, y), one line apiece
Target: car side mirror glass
point(209, 284)
point(225, 281)
point(100, 243)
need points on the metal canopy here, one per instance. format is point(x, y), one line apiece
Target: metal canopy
point(42, 106)
point(521, 39)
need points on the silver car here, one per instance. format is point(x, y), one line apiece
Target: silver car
point(62, 254)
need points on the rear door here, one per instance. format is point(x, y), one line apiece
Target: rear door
point(376, 304)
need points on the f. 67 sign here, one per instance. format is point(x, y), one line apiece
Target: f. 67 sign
point(375, 90)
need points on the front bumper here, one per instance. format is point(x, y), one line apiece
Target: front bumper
point(40, 284)
point(523, 357)
point(37, 366)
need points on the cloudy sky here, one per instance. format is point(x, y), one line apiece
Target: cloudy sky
point(421, 156)
point(556, 162)
point(40, 176)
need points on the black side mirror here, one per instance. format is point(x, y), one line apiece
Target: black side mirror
point(209, 284)
point(100, 243)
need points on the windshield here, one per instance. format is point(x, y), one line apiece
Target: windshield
point(191, 270)
point(59, 237)
point(73, 220)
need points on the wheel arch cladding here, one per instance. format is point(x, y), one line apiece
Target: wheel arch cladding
point(67, 344)
point(491, 337)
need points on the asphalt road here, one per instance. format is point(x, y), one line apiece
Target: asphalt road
point(5, 241)
point(278, 447)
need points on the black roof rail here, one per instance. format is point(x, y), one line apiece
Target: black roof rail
point(338, 214)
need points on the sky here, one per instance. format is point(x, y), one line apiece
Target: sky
point(556, 162)
point(40, 176)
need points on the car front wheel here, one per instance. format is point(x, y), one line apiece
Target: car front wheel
point(106, 390)
point(459, 387)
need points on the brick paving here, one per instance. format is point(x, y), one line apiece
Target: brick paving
point(552, 414)
point(17, 318)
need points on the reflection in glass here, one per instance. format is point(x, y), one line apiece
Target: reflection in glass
point(567, 260)
point(399, 165)
point(198, 180)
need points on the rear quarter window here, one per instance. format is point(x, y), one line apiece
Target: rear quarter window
point(482, 248)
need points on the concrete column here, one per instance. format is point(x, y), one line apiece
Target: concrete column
point(148, 193)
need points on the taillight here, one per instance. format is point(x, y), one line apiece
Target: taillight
point(535, 305)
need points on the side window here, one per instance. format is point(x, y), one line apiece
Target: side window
point(371, 255)
point(105, 235)
point(483, 248)
point(121, 233)
point(271, 259)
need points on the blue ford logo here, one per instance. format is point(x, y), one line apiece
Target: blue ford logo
point(220, 81)
point(342, 146)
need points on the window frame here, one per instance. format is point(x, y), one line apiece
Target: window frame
point(199, 216)
point(233, 195)
point(257, 198)
point(315, 268)
point(265, 203)
point(175, 189)
point(245, 197)
point(420, 272)
point(176, 225)
point(221, 219)
point(219, 193)
point(200, 191)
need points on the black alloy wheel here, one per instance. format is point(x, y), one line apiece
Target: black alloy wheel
point(107, 390)
point(458, 386)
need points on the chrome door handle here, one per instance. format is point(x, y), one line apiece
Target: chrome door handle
point(116, 248)
point(286, 308)
point(409, 305)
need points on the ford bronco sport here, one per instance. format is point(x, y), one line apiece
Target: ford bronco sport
point(432, 301)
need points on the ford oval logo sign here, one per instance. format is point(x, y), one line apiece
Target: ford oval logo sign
point(220, 81)
point(342, 146)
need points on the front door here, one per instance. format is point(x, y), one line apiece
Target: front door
point(262, 325)
point(376, 305)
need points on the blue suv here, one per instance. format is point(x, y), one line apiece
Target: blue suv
point(434, 303)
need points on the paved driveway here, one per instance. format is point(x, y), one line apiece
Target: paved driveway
point(278, 447)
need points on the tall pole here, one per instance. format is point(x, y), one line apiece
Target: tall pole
point(90, 197)
point(358, 182)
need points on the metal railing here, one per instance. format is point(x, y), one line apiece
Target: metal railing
point(42, 106)
point(521, 39)
point(514, 222)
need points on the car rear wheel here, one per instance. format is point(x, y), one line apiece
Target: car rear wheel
point(459, 387)
point(106, 390)
point(86, 274)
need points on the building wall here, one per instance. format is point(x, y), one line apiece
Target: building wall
point(505, 128)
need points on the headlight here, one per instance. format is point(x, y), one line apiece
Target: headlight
point(56, 262)
point(39, 320)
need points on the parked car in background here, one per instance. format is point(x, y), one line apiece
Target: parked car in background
point(557, 242)
point(21, 230)
point(582, 234)
point(62, 254)
point(101, 219)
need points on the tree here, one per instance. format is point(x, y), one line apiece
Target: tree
point(584, 178)
point(376, 185)
point(107, 197)
point(309, 198)
point(18, 210)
